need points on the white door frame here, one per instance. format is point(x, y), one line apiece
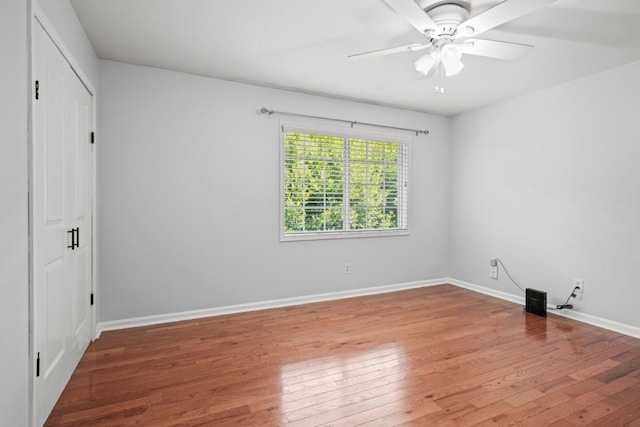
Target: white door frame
point(39, 18)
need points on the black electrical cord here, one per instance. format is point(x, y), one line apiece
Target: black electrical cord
point(508, 275)
point(558, 307)
point(566, 303)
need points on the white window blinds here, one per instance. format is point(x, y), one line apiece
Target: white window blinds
point(337, 185)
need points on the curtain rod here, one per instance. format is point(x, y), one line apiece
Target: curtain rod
point(263, 110)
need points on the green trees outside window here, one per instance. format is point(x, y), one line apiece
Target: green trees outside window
point(335, 184)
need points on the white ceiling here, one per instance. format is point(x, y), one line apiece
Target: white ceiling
point(303, 45)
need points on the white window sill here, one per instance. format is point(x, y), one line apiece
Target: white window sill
point(296, 237)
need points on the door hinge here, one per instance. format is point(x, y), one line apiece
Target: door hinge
point(93, 137)
point(91, 298)
point(38, 365)
point(37, 89)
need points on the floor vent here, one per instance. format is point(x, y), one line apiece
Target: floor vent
point(536, 302)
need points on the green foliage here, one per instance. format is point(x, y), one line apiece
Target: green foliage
point(316, 188)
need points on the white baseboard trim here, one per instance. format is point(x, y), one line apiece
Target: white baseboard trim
point(262, 305)
point(600, 322)
point(487, 291)
point(611, 325)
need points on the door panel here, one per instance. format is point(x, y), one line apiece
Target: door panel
point(55, 326)
point(82, 121)
point(80, 315)
point(53, 144)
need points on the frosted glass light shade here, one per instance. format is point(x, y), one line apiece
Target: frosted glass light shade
point(425, 63)
point(452, 60)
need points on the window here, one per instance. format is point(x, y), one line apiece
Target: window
point(339, 184)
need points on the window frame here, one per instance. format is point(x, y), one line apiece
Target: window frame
point(342, 132)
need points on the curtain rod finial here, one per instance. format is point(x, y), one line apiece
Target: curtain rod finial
point(263, 110)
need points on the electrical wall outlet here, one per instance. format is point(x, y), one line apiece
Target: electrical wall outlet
point(347, 268)
point(493, 272)
point(579, 283)
point(493, 268)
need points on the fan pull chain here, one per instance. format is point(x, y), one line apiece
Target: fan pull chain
point(439, 88)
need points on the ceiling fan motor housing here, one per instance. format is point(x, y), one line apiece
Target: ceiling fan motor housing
point(447, 14)
point(427, 5)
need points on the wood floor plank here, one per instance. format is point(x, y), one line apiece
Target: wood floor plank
point(439, 355)
point(513, 417)
point(482, 414)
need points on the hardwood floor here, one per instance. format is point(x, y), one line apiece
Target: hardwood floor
point(432, 356)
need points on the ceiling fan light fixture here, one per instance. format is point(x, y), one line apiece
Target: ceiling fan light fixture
point(425, 63)
point(452, 60)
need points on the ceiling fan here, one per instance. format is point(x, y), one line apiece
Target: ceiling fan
point(450, 32)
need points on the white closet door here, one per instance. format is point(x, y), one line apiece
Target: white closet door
point(79, 212)
point(61, 222)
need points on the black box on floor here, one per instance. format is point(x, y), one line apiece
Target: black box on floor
point(536, 302)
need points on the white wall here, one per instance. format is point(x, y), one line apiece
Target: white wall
point(186, 224)
point(549, 183)
point(14, 279)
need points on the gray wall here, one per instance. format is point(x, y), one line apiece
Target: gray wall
point(549, 183)
point(189, 198)
point(14, 279)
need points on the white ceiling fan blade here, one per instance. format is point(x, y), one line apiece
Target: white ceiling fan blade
point(413, 14)
point(391, 50)
point(495, 49)
point(498, 15)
